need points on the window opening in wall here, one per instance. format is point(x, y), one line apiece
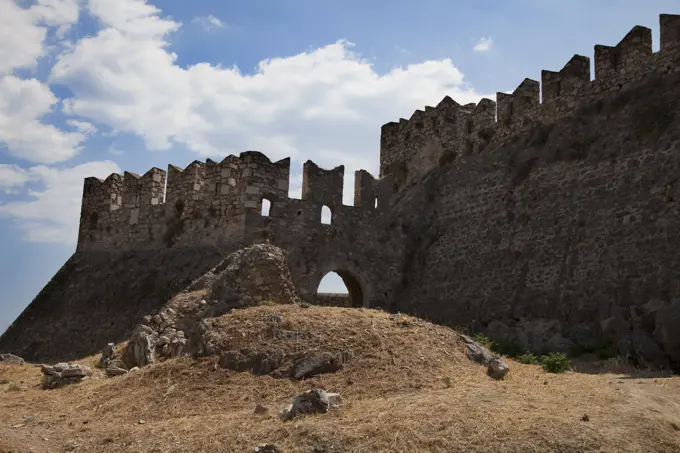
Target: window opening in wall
point(217, 188)
point(326, 215)
point(266, 206)
point(558, 88)
point(469, 127)
point(137, 200)
point(376, 203)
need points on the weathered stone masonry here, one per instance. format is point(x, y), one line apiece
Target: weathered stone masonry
point(549, 218)
point(557, 225)
point(220, 203)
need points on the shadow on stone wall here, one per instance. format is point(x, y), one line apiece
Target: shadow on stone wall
point(97, 298)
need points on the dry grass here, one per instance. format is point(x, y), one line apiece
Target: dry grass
point(407, 388)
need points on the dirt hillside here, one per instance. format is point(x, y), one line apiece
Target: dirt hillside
point(406, 386)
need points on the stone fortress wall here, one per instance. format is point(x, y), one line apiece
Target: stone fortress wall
point(557, 225)
point(469, 246)
point(409, 148)
point(220, 204)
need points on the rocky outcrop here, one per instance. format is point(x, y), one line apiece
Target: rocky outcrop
point(325, 362)
point(11, 359)
point(250, 276)
point(247, 277)
point(497, 368)
point(64, 374)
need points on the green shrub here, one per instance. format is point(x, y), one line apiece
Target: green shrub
point(13, 388)
point(528, 358)
point(4, 381)
point(483, 340)
point(555, 363)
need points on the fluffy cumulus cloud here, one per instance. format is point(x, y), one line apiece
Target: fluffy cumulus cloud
point(483, 45)
point(325, 104)
point(53, 210)
point(301, 105)
point(24, 102)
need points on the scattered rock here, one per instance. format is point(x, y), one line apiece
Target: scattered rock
point(267, 448)
point(310, 402)
point(133, 369)
point(478, 353)
point(141, 422)
point(259, 363)
point(63, 374)
point(115, 371)
point(317, 364)
point(11, 359)
point(497, 368)
point(108, 355)
point(585, 418)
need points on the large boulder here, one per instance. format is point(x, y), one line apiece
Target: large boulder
point(11, 359)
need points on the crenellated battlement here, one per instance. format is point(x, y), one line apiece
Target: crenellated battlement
point(215, 202)
point(410, 147)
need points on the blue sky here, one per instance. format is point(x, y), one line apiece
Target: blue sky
point(90, 87)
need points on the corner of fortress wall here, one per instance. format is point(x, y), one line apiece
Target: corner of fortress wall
point(408, 148)
point(217, 203)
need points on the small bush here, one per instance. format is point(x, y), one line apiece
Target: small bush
point(4, 381)
point(483, 340)
point(528, 358)
point(13, 388)
point(555, 363)
point(448, 382)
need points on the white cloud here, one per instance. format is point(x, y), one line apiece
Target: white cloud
point(21, 34)
point(82, 126)
point(208, 22)
point(483, 45)
point(327, 104)
point(52, 213)
point(13, 178)
point(22, 103)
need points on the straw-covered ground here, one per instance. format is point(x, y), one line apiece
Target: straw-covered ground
point(407, 387)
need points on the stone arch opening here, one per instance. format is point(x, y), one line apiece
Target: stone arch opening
point(341, 287)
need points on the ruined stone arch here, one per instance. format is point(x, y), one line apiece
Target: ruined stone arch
point(360, 292)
